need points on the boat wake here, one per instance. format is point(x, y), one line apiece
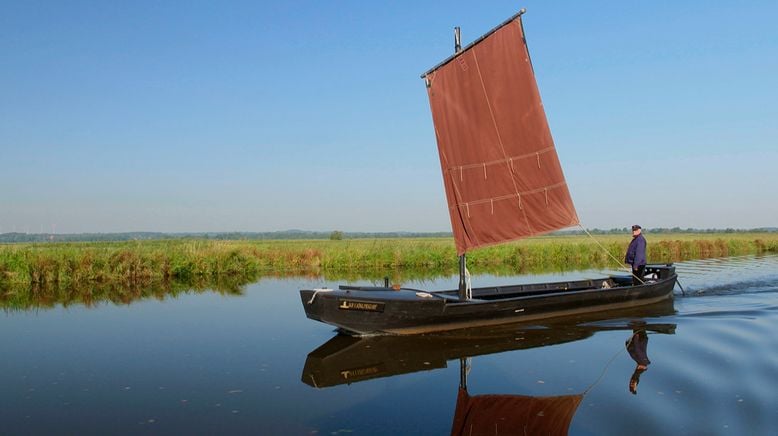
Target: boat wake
point(729, 276)
point(734, 288)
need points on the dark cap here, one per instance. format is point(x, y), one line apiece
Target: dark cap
point(636, 227)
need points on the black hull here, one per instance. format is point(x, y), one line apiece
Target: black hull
point(378, 310)
point(347, 359)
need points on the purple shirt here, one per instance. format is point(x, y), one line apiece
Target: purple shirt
point(636, 253)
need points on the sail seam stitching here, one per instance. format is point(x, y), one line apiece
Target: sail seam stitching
point(499, 137)
point(518, 195)
point(508, 159)
point(457, 194)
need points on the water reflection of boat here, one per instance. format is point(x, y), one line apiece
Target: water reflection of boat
point(503, 182)
point(347, 359)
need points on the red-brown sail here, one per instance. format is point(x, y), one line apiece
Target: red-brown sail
point(501, 172)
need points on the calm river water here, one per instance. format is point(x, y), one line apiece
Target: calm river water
point(253, 364)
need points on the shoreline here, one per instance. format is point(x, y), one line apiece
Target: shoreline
point(141, 262)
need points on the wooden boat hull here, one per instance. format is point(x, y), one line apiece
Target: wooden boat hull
point(380, 310)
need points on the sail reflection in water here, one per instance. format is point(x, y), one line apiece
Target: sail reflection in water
point(345, 359)
point(512, 414)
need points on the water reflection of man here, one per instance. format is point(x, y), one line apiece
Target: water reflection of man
point(636, 347)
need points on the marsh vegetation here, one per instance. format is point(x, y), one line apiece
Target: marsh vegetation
point(85, 273)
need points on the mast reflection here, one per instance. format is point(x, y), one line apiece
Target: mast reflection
point(346, 359)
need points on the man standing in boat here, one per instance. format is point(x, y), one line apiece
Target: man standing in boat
point(636, 255)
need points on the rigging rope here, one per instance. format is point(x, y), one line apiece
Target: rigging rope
point(316, 292)
point(621, 264)
point(604, 370)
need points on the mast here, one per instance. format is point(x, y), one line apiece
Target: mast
point(462, 258)
point(463, 373)
point(462, 278)
point(458, 46)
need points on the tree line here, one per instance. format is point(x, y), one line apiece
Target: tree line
point(17, 237)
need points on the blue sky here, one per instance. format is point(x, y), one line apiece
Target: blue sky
point(261, 116)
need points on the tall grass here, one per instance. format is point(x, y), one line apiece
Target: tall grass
point(66, 265)
point(43, 275)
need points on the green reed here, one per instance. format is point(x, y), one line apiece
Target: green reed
point(47, 274)
point(140, 263)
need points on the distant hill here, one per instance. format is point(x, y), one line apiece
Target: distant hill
point(306, 234)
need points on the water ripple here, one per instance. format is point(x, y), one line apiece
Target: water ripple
point(729, 276)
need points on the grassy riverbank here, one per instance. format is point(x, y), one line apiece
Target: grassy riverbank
point(143, 262)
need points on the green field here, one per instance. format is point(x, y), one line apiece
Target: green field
point(46, 274)
point(133, 263)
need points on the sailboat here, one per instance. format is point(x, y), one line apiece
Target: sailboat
point(503, 182)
